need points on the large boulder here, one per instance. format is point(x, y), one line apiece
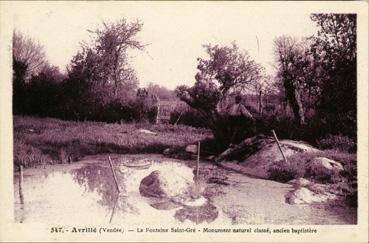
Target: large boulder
point(167, 184)
point(321, 166)
point(259, 163)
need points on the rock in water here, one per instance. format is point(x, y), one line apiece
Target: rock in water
point(321, 166)
point(167, 184)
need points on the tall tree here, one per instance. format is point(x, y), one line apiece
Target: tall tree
point(100, 72)
point(113, 41)
point(291, 61)
point(229, 67)
point(334, 50)
point(226, 70)
point(28, 52)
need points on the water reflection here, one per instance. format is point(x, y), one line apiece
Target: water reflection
point(98, 178)
point(87, 193)
point(206, 213)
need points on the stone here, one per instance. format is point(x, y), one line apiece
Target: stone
point(300, 182)
point(167, 151)
point(324, 167)
point(167, 184)
point(306, 196)
point(192, 149)
point(146, 131)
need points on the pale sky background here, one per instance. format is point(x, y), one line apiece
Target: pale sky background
point(175, 32)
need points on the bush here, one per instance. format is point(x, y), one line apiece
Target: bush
point(29, 156)
point(187, 116)
point(285, 173)
point(340, 142)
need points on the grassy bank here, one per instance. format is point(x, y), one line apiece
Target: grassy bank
point(40, 141)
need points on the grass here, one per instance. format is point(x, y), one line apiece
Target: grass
point(40, 141)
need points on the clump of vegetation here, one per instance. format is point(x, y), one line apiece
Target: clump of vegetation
point(29, 156)
point(284, 173)
point(100, 85)
point(187, 116)
point(338, 142)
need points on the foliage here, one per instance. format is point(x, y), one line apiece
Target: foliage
point(292, 71)
point(29, 156)
point(340, 142)
point(28, 53)
point(187, 116)
point(43, 92)
point(285, 174)
point(100, 85)
point(231, 68)
point(334, 51)
point(319, 75)
point(161, 92)
point(100, 73)
point(225, 71)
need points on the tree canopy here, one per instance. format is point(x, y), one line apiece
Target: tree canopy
point(28, 53)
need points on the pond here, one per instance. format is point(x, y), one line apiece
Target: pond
point(86, 193)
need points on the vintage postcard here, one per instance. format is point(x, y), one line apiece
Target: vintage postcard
point(184, 121)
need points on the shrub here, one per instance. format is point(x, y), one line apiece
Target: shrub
point(29, 156)
point(340, 142)
point(285, 173)
point(187, 116)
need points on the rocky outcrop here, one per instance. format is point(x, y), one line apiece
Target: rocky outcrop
point(264, 155)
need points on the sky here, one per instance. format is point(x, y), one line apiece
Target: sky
point(174, 32)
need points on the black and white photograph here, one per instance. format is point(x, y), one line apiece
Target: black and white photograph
point(186, 117)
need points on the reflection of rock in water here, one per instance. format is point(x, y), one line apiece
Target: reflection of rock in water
point(163, 203)
point(206, 213)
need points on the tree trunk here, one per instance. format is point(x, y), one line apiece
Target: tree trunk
point(260, 107)
point(294, 98)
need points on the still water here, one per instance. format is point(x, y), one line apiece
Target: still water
point(86, 193)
